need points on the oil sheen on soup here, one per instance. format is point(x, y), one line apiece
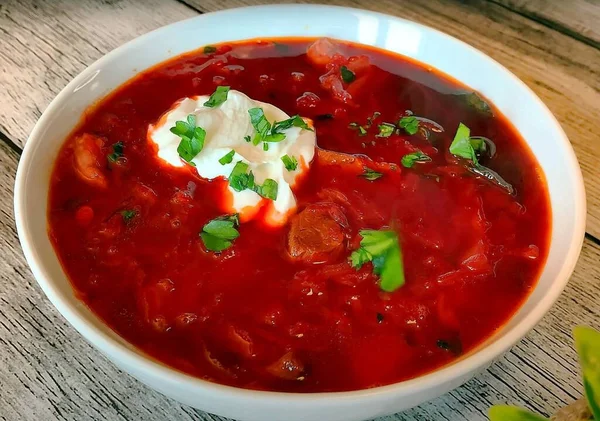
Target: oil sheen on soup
point(299, 215)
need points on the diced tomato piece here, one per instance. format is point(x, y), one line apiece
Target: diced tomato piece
point(84, 215)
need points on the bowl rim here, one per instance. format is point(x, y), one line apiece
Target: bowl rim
point(453, 371)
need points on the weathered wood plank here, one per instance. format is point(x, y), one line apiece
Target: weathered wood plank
point(577, 18)
point(45, 43)
point(564, 72)
point(47, 371)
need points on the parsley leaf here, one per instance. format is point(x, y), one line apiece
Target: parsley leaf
point(386, 130)
point(128, 214)
point(248, 139)
point(218, 97)
point(218, 234)
point(289, 162)
point(348, 75)
point(268, 189)
point(260, 124)
point(409, 160)
point(227, 158)
point(240, 179)
point(192, 138)
point(370, 174)
point(409, 124)
point(382, 248)
point(209, 49)
point(462, 146)
point(117, 152)
point(295, 121)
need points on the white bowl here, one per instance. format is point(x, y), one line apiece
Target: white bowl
point(529, 115)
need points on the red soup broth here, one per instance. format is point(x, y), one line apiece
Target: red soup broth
point(251, 316)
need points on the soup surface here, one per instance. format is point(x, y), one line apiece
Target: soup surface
point(406, 242)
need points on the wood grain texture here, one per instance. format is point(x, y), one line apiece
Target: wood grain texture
point(579, 19)
point(45, 43)
point(48, 372)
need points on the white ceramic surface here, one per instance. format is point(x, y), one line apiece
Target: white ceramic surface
point(533, 120)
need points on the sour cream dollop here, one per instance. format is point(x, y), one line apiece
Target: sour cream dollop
point(226, 127)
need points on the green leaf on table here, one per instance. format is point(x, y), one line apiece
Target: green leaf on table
point(587, 343)
point(513, 413)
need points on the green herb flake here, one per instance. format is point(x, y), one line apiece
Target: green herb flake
point(117, 152)
point(248, 139)
point(348, 75)
point(362, 131)
point(410, 159)
point(410, 124)
point(512, 413)
point(218, 234)
point(218, 97)
point(240, 179)
point(461, 145)
point(295, 121)
point(386, 130)
point(268, 189)
point(370, 174)
point(192, 138)
point(260, 124)
point(227, 158)
point(209, 49)
point(289, 162)
point(382, 248)
point(265, 146)
point(587, 343)
point(128, 214)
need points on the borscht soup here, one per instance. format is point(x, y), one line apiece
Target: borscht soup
point(299, 215)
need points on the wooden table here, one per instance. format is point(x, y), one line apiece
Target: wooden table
point(48, 372)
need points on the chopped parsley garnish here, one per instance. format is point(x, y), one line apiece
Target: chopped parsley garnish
point(218, 97)
point(380, 318)
point(117, 152)
point(209, 49)
point(410, 124)
point(248, 139)
point(265, 146)
point(192, 138)
point(382, 248)
point(462, 146)
point(362, 130)
point(348, 75)
point(466, 147)
point(240, 179)
point(370, 174)
point(128, 214)
point(386, 130)
point(218, 234)
point(409, 160)
point(227, 158)
point(295, 121)
point(268, 189)
point(289, 162)
point(262, 127)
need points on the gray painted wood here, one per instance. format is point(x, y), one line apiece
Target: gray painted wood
point(48, 372)
point(577, 18)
